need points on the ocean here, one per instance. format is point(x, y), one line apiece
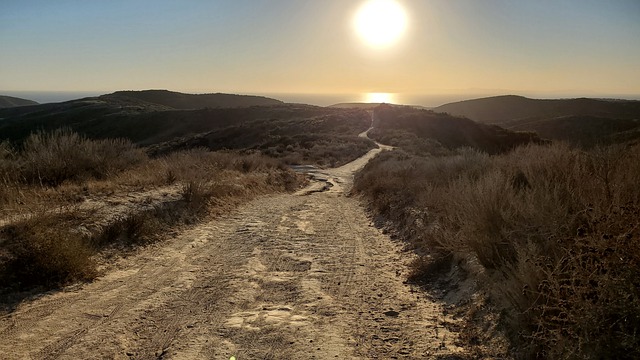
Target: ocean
point(432, 100)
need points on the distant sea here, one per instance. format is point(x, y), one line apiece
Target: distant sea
point(319, 99)
point(393, 98)
point(428, 101)
point(312, 99)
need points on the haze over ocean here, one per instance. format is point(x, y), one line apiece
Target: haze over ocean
point(432, 100)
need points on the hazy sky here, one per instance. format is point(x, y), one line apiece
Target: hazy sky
point(310, 46)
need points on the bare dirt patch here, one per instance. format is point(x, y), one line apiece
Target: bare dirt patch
point(303, 275)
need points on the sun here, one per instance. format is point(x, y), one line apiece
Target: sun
point(380, 23)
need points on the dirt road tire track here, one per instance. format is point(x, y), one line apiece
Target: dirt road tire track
point(302, 276)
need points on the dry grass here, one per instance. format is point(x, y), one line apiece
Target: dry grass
point(52, 158)
point(323, 150)
point(46, 249)
point(409, 142)
point(50, 237)
point(555, 233)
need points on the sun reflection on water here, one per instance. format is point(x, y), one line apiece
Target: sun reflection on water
point(387, 98)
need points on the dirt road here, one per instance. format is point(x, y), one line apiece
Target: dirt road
point(292, 276)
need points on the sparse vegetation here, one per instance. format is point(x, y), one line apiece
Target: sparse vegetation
point(409, 142)
point(166, 129)
point(582, 122)
point(62, 155)
point(46, 249)
point(551, 233)
point(51, 236)
point(423, 129)
point(292, 133)
point(326, 139)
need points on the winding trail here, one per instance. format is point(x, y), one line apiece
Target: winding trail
point(289, 276)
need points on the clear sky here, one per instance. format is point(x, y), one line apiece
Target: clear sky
point(545, 47)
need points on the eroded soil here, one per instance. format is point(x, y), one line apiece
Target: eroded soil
point(292, 276)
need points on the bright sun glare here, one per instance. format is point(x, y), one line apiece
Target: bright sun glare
point(376, 98)
point(380, 22)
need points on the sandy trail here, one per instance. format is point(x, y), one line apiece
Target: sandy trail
point(105, 209)
point(292, 276)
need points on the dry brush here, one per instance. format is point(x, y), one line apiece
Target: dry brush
point(51, 235)
point(552, 233)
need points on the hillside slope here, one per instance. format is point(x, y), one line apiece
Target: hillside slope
point(582, 129)
point(510, 108)
point(445, 130)
point(585, 122)
point(294, 133)
point(142, 122)
point(183, 101)
point(10, 101)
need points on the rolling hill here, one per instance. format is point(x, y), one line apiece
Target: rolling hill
point(183, 101)
point(512, 108)
point(582, 121)
point(10, 101)
point(582, 129)
point(450, 132)
point(142, 122)
point(298, 133)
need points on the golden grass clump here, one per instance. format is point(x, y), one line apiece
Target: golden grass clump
point(52, 158)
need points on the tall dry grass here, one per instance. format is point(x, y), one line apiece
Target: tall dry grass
point(554, 233)
point(45, 249)
point(49, 238)
point(62, 155)
point(49, 160)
